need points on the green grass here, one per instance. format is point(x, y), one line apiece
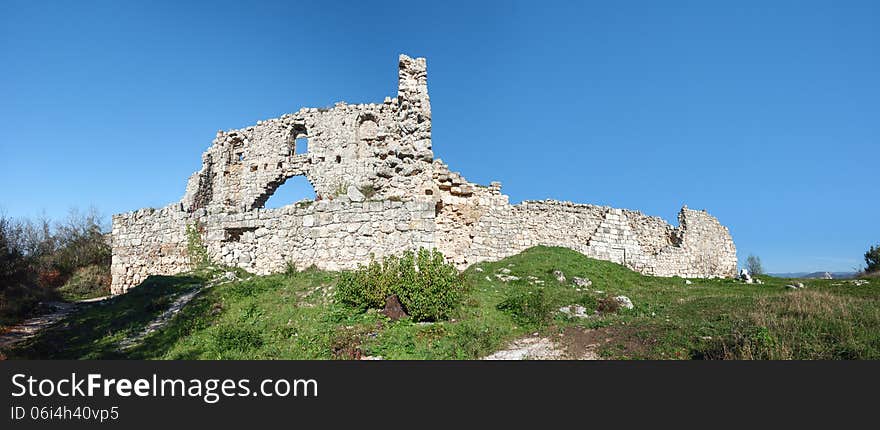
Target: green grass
point(87, 283)
point(292, 316)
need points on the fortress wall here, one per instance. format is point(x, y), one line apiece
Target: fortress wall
point(706, 249)
point(332, 235)
point(147, 242)
point(699, 247)
point(380, 191)
point(382, 146)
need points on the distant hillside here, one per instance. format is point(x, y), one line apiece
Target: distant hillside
point(815, 275)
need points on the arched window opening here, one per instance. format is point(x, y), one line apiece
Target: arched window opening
point(294, 189)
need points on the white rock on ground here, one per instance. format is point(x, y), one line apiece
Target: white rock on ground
point(576, 311)
point(530, 348)
point(624, 302)
point(581, 282)
point(559, 276)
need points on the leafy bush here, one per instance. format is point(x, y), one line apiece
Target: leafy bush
point(87, 282)
point(527, 307)
point(368, 286)
point(427, 286)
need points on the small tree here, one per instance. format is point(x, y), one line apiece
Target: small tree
point(872, 259)
point(753, 264)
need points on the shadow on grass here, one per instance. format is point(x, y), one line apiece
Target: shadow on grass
point(94, 331)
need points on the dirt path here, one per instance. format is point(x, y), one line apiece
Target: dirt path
point(165, 317)
point(572, 344)
point(30, 327)
point(161, 320)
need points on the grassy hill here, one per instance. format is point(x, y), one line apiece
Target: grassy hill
point(293, 316)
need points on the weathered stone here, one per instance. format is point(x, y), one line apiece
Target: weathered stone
point(624, 302)
point(576, 311)
point(354, 194)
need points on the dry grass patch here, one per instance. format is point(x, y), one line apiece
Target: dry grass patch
point(804, 325)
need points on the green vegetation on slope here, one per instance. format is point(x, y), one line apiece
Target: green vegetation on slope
point(293, 316)
point(42, 261)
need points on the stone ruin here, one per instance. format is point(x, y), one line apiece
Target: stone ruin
point(379, 191)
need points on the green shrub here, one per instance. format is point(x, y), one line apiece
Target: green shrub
point(290, 268)
point(195, 248)
point(427, 286)
point(368, 286)
point(86, 283)
point(527, 307)
point(430, 288)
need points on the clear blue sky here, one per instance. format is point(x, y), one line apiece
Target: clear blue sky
point(765, 113)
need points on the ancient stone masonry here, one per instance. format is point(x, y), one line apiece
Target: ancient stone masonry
point(379, 191)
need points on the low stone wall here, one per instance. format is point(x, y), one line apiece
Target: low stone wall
point(699, 247)
point(148, 242)
point(331, 235)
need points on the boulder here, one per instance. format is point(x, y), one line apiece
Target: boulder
point(354, 194)
point(559, 275)
point(744, 276)
point(393, 308)
point(624, 302)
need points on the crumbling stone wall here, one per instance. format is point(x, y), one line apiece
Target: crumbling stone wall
point(380, 191)
point(331, 234)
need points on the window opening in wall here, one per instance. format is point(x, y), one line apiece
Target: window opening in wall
point(233, 234)
point(301, 145)
point(290, 191)
point(298, 140)
point(338, 159)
